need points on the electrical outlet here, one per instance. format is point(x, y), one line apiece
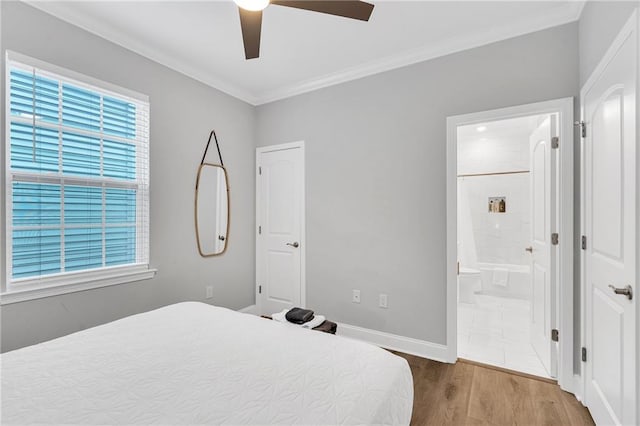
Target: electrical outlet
point(383, 301)
point(209, 292)
point(356, 296)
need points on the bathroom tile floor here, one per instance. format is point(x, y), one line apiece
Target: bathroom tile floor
point(495, 331)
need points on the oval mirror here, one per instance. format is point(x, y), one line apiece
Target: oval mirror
point(212, 209)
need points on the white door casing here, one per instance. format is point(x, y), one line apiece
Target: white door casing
point(564, 252)
point(610, 220)
point(543, 160)
point(280, 227)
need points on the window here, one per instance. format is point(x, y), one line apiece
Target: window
point(77, 198)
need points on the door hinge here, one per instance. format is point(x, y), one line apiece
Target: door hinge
point(554, 238)
point(584, 354)
point(554, 335)
point(583, 127)
point(259, 289)
point(583, 242)
point(259, 230)
point(555, 142)
point(259, 170)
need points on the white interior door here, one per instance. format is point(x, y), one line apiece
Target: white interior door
point(609, 111)
point(543, 187)
point(280, 220)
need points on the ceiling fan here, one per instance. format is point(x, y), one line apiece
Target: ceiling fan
point(251, 16)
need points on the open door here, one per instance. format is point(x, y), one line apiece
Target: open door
point(543, 208)
point(610, 220)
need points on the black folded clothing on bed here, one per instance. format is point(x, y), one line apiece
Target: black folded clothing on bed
point(299, 315)
point(327, 327)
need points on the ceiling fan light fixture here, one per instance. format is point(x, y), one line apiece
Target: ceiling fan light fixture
point(251, 16)
point(252, 5)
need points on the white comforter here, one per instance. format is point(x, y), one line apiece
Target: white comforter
point(193, 363)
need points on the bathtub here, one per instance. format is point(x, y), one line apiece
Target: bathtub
point(518, 282)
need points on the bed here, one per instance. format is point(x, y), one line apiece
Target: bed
point(193, 363)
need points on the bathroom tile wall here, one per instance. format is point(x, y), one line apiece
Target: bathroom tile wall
point(499, 237)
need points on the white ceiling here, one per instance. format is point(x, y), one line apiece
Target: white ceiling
point(301, 50)
point(514, 128)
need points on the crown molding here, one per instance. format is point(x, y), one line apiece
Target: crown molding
point(578, 8)
point(64, 11)
point(564, 15)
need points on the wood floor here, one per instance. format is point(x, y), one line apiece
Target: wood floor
point(469, 394)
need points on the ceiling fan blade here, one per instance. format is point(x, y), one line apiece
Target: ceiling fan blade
point(353, 9)
point(251, 23)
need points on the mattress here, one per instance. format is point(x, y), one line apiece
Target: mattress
point(193, 363)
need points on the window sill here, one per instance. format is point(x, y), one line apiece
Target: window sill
point(80, 283)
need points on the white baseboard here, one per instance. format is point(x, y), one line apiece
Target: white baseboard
point(577, 388)
point(421, 348)
point(253, 310)
point(408, 345)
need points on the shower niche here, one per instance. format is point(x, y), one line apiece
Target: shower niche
point(497, 204)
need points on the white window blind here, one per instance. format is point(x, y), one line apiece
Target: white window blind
point(77, 164)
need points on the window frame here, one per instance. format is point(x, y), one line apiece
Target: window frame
point(20, 289)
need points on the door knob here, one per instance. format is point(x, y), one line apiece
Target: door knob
point(294, 244)
point(529, 249)
point(625, 291)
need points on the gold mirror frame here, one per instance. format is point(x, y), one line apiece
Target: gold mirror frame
point(203, 164)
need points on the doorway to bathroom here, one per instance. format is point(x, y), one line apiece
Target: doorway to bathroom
point(510, 239)
point(505, 175)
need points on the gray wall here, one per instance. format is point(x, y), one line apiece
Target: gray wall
point(182, 113)
point(599, 24)
point(376, 172)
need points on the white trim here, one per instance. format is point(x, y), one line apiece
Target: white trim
point(408, 345)
point(581, 384)
point(561, 15)
point(257, 234)
point(80, 284)
point(303, 227)
point(579, 5)
point(447, 47)
point(578, 388)
point(280, 147)
point(3, 184)
point(7, 208)
point(252, 310)
point(564, 289)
